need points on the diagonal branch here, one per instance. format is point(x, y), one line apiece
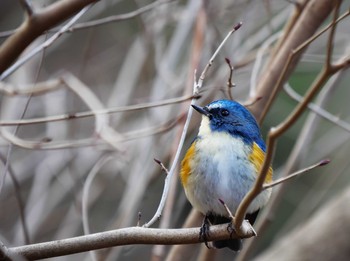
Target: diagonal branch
point(276, 132)
point(311, 18)
point(291, 57)
point(35, 25)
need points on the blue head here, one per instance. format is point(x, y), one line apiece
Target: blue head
point(233, 118)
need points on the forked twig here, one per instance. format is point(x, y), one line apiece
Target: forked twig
point(230, 84)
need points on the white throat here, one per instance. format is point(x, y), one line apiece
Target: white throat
point(204, 129)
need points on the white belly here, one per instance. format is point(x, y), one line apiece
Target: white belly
point(221, 170)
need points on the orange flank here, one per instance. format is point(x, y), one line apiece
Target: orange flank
point(257, 158)
point(185, 165)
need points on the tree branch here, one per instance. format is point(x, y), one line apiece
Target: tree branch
point(35, 25)
point(290, 60)
point(119, 237)
point(311, 18)
point(276, 132)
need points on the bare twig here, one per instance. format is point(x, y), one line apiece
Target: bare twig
point(258, 62)
point(47, 143)
point(331, 35)
point(92, 113)
point(121, 17)
point(295, 174)
point(19, 200)
point(86, 192)
point(251, 103)
point(33, 89)
point(211, 60)
point(230, 84)
point(162, 166)
point(318, 110)
point(229, 213)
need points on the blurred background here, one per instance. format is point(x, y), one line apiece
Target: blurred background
point(98, 172)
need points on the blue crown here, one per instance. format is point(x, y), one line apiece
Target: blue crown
point(230, 116)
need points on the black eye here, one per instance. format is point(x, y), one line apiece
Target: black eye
point(224, 112)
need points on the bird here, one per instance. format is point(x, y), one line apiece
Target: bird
point(222, 164)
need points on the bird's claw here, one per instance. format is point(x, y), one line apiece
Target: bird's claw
point(204, 231)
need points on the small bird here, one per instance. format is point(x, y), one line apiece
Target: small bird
point(223, 163)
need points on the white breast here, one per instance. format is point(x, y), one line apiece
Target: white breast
point(221, 170)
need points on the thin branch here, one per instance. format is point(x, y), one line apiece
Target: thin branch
point(230, 84)
point(318, 110)
point(344, 63)
point(258, 61)
point(211, 60)
point(331, 35)
point(33, 89)
point(295, 174)
point(46, 143)
point(162, 166)
point(92, 113)
point(17, 192)
point(86, 192)
point(120, 17)
point(119, 237)
point(229, 213)
point(197, 85)
point(251, 103)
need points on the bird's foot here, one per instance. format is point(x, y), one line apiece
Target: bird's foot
point(230, 228)
point(204, 231)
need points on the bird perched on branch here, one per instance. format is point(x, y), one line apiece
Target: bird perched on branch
point(223, 163)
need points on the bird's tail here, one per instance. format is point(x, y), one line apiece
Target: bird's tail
point(233, 244)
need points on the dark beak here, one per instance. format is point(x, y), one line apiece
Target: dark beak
point(201, 110)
